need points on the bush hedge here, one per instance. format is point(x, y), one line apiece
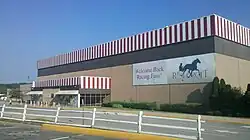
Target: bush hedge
point(224, 100)
point(132, 105)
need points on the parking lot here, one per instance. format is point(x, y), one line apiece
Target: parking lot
point(19, 131)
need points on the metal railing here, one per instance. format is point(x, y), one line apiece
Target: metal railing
point(139, 121)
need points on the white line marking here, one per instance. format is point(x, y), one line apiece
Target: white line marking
point(214, 134)
point(61, 138)
point(226, 131)
point(248, 126)
point(8, 127)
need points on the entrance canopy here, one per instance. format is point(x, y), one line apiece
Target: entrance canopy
point(35, 93)
point(67, 92)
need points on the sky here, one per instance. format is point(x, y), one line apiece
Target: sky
point(35, 29)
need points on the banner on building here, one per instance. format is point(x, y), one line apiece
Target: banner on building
point(191, 69)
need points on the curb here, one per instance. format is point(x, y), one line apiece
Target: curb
point(104, 133)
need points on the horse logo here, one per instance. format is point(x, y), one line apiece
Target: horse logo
point(189, 67)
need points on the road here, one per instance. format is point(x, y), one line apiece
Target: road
point(213, 131)
point(17, 131)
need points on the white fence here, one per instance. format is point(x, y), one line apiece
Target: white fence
point(141, 123)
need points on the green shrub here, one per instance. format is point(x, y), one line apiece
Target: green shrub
point(132, 105)
point(117, 106)
point(182, 108)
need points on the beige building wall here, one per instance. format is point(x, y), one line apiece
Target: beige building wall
point(123, 89)
point(235, 71)
point(47, 94)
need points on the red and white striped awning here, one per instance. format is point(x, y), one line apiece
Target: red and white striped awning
point(86, 82)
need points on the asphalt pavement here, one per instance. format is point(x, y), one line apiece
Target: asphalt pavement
point(18, 131)
point(213, 130)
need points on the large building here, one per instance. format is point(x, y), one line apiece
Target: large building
point(173, 64)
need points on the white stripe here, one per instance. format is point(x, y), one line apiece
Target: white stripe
point(137, 42)
point(246, 126)
point(184, 31)
point(81, 80)
point(168, 41)
point(220, 27)
point(226, 131)
point(95, 82)
point(223, 28)
point(154, 41)
point(60, 138)
point(189, 30)
point(86, 82)
point(163, 35)
point(238, 32)
point(178, 33)
point(149, 39)
point(195, 29)
point(173, 34)
point(216, 25)
point(234, 31)
point(108, 83)
point(248, 37)
point(145, 40)
point(209, 26)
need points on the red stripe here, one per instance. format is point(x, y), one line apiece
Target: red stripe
point(186, 26)
point(120, 42)
point(151, 38)
point(101, 82)
point(97, 82)
point(161, 37)
point(192, 28)
point(205, 26)
point(181, 32)
point(135, 42)
point(131, 43)
point(143, 41)
point(88, 82)
point(127, 45)
point(124, 45)
point(218, 25)
point(93, 82)
point(165, 36)
point(103, 50)
point(147, 40)
point(118, 46)
point(109, 83)
point(156, 37)
point(170, 34)
point(139, 42)
point(199, 27)
point(212, 23)
point(106, 83)
point(109, 48)
point(114, 44)
point(175, 33)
